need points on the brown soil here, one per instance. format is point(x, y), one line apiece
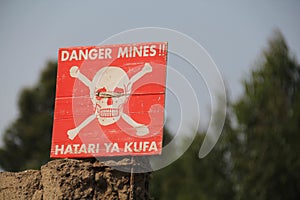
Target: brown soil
point(75, 179)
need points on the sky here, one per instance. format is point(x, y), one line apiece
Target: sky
point(232, 32)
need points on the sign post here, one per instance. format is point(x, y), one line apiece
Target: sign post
point(109, 100)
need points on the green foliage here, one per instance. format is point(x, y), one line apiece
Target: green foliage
point(265, 150)
point(192, 178)
point(27, 140)
point(258, 156)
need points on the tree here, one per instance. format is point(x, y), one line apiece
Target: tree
point(192, 178)
point(27, 140)
point(265, 147)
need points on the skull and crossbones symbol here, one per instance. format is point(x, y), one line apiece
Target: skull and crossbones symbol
point(109, 91)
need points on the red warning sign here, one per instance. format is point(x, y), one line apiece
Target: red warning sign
point(109, 100)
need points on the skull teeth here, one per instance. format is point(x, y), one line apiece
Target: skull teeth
point(109, 112)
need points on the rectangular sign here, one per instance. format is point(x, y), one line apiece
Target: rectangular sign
point(109, 100)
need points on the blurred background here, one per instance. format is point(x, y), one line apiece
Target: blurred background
point(255, 45)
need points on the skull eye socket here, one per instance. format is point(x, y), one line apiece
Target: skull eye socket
point(103, 93)
point(119, 90)
point(99, 91)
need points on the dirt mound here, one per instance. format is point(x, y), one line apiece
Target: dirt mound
point(75, 179)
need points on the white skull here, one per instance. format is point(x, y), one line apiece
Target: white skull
point(109, 93)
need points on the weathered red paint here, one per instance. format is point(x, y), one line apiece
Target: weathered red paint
point(137, 129)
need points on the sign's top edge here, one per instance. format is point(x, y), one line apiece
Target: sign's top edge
point(113, 45)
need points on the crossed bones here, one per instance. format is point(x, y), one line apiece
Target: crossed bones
point(141, 129)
